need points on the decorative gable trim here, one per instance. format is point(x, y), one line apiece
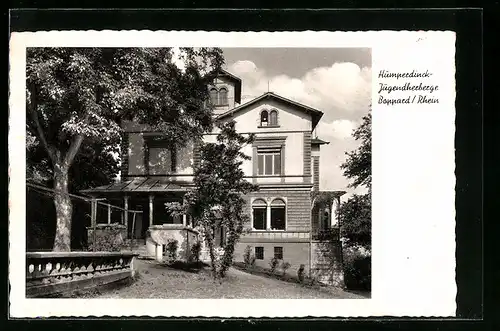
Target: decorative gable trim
point(315, 114)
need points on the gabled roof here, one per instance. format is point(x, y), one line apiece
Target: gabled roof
point(316, 114)
point(236, 81)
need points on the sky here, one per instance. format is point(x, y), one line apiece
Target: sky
point(336, 81)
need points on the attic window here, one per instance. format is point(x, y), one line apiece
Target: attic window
point(273, 118)
point(264, 118)
point(223, 97)
point(213, 96)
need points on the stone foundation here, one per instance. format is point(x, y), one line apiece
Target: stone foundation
point(327, 262)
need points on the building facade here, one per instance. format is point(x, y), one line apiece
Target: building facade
point(285, 221)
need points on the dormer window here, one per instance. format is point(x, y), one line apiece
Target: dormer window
point(264, 118)
point(223, 97)
point(218, 97)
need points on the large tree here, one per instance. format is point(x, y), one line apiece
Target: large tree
point(355, 214)
point(217, 198)
point(78, 96)
point(358, 164)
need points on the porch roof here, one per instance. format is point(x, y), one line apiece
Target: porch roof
point(140, 185)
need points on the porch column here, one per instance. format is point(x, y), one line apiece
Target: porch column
point(93, 212)
point(109, 213)
point(151, 197)
point(334, 211)
point(184, 216)
point(125, 216)
point(93, 220)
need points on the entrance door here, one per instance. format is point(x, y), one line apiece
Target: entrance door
point(138, 222)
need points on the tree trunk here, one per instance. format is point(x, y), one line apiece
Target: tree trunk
point(209, 240)
point(64, 208)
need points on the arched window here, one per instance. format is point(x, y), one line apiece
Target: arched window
point(264, 118)
point(223, 97)
point(273, 118)
point(213, 96)
point(259, 208)
point(278, 214)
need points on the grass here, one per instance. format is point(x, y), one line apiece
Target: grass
point(194, 281)
point(278, 274)
point(308, 282)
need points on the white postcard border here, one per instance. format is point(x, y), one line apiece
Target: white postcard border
point(413, 181)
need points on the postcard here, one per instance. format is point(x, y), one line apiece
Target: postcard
point(232, 174)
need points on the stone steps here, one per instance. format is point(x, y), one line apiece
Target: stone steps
point(137, 246)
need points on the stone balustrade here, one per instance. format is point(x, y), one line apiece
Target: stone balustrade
point(53, 273)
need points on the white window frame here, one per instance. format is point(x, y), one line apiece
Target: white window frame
point(273, 152)
point(268, 202)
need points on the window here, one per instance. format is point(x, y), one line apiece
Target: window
point(278, 215)
point(213, 96)
point(273, 118)
point(269, 217)
point(259, 253)
point(269, 161)
point(259, 214)
point(264, 118)
point(278, 253)
point(223, 97)
point(161, 158)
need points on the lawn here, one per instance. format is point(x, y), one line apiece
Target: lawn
point(159, 281)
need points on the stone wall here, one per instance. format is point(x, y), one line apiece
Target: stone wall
point(295, 253)
point(327, 262)
point(159, 235)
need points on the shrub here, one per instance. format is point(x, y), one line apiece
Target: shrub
point(249, 258)
point(273, 264)
point(314, 277)
point(247, 255)
point(195, 252)
point(172, 246)
point(108, 238)
point(252, 261)
point(285, 266)
point(301, 273)
point(357, 270)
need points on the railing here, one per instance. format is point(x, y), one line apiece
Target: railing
point(326, 234)
point(52, 273)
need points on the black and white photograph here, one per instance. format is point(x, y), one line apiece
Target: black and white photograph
point(232, 174)
point(198, 173)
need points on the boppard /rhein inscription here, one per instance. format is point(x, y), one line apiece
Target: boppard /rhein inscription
point(413, 84)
